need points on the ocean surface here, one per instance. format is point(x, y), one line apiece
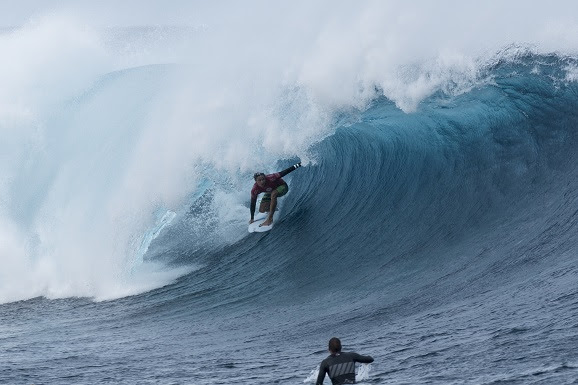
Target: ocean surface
point(433, 225)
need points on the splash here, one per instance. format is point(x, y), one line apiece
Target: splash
point(104, 127)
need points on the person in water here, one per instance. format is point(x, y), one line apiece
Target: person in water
point(340, 366)
point(274, 187)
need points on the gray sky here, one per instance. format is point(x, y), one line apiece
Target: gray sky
point(411, 25)
point(103, 12)
point(191, 12)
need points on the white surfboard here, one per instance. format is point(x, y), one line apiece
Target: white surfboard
point(260, 218)
point(255, 226)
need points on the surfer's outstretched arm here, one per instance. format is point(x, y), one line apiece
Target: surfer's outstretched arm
point(253, 205)
point(321, 376)
point(288, 170)
point(362, 359)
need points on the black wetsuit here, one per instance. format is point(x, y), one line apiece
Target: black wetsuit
point(341, 367)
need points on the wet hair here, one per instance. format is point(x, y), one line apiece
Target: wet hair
point(334, 345)
point(258, 174)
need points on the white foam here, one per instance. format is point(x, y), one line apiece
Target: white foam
point(85, 166)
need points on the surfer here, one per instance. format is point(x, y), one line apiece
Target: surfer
point(274, 187)
point(340, 366)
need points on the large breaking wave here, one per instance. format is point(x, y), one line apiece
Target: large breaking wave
point(121, 173)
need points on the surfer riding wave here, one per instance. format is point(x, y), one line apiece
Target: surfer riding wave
point(274, 187)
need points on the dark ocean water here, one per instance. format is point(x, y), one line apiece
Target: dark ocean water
point(443, 242)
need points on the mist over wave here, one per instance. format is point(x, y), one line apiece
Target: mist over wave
point(106, 130)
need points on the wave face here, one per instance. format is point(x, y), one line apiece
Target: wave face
point(430, 239)
point(413, 212)
point(432, 225)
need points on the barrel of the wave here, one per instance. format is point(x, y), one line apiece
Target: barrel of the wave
point(266, 190)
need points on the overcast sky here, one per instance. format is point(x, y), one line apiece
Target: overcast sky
point(104, 12)
point(171, 12)
point(550, 23)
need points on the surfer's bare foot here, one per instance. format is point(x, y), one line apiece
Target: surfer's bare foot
point(267, 222)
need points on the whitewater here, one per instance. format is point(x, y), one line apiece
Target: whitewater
point(432, 226)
